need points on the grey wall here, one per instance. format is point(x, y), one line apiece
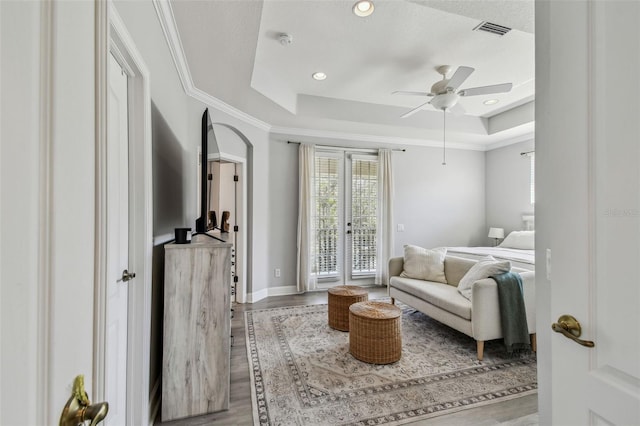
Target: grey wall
point(438, 205)
point(507, 187)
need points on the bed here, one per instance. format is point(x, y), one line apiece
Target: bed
point(518, 247)
point(522, 258)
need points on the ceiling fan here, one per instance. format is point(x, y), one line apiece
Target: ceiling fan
point(446, 98)
point(444, 92)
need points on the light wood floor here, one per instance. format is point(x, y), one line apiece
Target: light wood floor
point(520, 411)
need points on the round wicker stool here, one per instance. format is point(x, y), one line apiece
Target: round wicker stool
point(340, 298)
point(375, 332)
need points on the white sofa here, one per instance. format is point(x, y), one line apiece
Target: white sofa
point(479, 317)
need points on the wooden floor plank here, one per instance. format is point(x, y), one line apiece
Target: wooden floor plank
point(241, 408)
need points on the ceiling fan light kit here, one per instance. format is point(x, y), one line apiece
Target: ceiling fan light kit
point(445, 101)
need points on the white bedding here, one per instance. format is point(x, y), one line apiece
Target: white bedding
point(524, 259)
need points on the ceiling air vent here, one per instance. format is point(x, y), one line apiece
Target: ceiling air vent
point(492, 28)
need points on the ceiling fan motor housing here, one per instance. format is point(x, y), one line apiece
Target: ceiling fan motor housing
point(440, 86)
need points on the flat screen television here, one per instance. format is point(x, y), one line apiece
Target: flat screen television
point(201, 222)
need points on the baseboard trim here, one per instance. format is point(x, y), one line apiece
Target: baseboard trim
point(257, 296)
point(282, 290)
point(272, 291)
point(154, 402)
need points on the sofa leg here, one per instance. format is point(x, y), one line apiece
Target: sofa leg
point(480, 344)
point(534, 342)
point(393, 300)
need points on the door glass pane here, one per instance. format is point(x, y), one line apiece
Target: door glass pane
point(326, 251)
point(364, 207)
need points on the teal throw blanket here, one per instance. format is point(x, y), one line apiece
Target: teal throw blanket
point(513, 316)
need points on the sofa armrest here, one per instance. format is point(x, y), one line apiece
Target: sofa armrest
point(485, 308)
point(396, 266)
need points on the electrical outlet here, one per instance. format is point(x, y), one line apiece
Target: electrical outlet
point(276, 272)
point(400, 227)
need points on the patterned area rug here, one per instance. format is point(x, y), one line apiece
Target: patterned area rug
point(302, 372)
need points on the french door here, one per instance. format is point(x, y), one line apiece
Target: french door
point(345, 219)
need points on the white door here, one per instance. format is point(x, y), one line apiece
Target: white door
point(117, 244)
point(346, 195)
point(588, 209)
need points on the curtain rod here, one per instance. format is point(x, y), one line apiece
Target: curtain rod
point(350, 149)
point(527, 153)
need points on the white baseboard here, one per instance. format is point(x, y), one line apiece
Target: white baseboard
point(271, 291)
point(282, 290)
point(154, 402)
point(257, 296)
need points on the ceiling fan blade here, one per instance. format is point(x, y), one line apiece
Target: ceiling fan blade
point(486, 90)
point(461, 74)
point(403, 92)
point(413, 111)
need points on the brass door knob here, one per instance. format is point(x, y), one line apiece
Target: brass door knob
point(79, 409)
point(568, 326)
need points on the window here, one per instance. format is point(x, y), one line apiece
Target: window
point(345, 220)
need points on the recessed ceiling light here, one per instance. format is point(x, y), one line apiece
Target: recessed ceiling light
point(490, 102)
point(319, 76)
point(363, 8)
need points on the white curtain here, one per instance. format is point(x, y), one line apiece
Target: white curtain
point(384, 249)
point(306, 213)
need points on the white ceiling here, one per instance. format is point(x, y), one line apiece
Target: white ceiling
point(232, 51)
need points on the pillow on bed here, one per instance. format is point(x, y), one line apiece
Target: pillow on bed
point(484, 268)
point(424, 264)
point(523, 240)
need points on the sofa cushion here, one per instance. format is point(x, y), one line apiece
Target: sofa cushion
point(484, 268)
point(441, 295)
point(455, 268)
point(424, 264)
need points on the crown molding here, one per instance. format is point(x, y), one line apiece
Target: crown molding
point(207, 99)
point(501, 144)
point(387, 140)
point(170, 30)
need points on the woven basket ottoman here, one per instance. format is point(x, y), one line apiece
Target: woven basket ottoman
point(375, 332)
point(340, 298)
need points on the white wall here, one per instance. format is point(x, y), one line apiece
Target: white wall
point(47, 221)
point(19, 205)
point(438, 205)
point(508, 187)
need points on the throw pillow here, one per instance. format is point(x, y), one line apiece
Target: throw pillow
point(424, 264)
point(524, 240)
point(485, 268)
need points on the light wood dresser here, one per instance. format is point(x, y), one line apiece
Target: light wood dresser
point(197, 329)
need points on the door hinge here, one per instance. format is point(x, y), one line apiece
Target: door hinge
point(236, 228)
point(210, 176)
point(235, 178)
point(235, 279)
